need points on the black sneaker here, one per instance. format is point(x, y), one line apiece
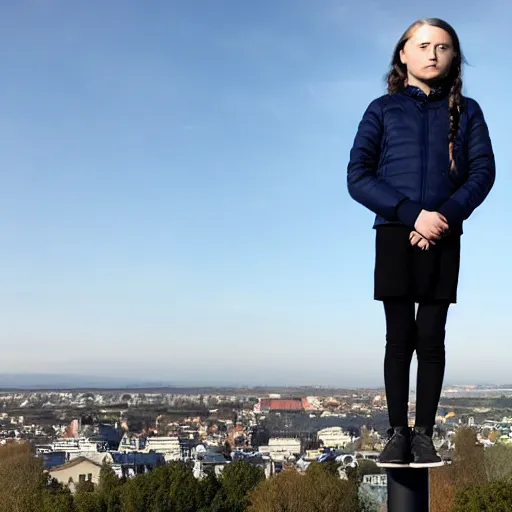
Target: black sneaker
point(397, 452)
point(423, 452)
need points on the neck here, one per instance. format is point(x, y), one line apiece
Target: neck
point(411, 80)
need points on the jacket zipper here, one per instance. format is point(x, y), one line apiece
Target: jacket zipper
point(425, 150)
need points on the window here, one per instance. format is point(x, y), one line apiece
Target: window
point(89, 477)
point(81, 478)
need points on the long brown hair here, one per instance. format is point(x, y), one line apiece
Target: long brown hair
point(397, 76)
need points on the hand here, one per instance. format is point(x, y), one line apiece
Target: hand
point(431, 225)
point(416, 239)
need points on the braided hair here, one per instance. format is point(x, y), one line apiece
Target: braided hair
point(396, 79)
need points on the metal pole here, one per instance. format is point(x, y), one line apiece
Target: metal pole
point(408, 490)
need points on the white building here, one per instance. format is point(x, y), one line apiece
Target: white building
point(169, 446)
point(334, 437)
point(75, 445)
point(132, 443)
point(77, 471)
point(280, 448)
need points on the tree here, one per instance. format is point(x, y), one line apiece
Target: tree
point(158, 484)
point(330, 466)
point(21, 473)
point(57, 498)
point(283, 492)
point(316, 490)
point(86, 486)
point(111, 501)
point(498, 462)
point(184, 489)
point(367, 439)
point(328, 492)
point(466, 471)
point(238, 479)
point(367, 502)
point(58, 502)
point(209, 494)
point(491, 497)
point(109, 489)
point(108, 479)
point(467, 460)
point(442, 489)
point(88, 502)
point(138, 494)
point(169, 488)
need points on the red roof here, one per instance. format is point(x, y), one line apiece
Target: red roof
point(282, 404)
point(305, 404)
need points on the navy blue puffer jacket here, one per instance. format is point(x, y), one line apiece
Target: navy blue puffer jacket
point(399, 162)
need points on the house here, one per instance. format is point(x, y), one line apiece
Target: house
point(53, 459)
point(78, 470)
point(209, 462)
point(135, 463)
point(266, 405)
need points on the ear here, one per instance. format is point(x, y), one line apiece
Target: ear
point(403, 58)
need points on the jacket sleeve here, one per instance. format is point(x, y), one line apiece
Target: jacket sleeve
point(481, 173)
point(364, 184)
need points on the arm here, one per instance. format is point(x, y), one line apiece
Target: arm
point(482, 172)
point(364, 185)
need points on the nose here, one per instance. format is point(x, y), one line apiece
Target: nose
point(432, 53)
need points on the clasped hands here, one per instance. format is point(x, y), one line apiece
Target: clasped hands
point(429, 227)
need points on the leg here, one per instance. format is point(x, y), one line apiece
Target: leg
point(400, 345)
point(400, 338)
point(430, 350)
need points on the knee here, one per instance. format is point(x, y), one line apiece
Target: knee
point(400, 347)
point(431, 349)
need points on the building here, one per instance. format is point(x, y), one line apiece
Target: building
point(210, 462)
point(132, 443)
point(266, 405)
point(53, 459)
point(129, 464)
point(78, 445)
point(280, 448)
point(334, 437)
point(78, 470)
point(168, 445)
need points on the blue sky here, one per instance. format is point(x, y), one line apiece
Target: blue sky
point(173, 201)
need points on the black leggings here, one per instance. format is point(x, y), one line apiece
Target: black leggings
point(406, 333)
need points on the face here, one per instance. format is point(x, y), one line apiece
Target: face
point(428, 55)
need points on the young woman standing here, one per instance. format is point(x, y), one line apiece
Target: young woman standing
point(422, 161)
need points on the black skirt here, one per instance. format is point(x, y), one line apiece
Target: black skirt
point(403, 271)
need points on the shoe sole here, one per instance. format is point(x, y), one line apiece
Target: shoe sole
point(392, 465)
point(419, 465)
